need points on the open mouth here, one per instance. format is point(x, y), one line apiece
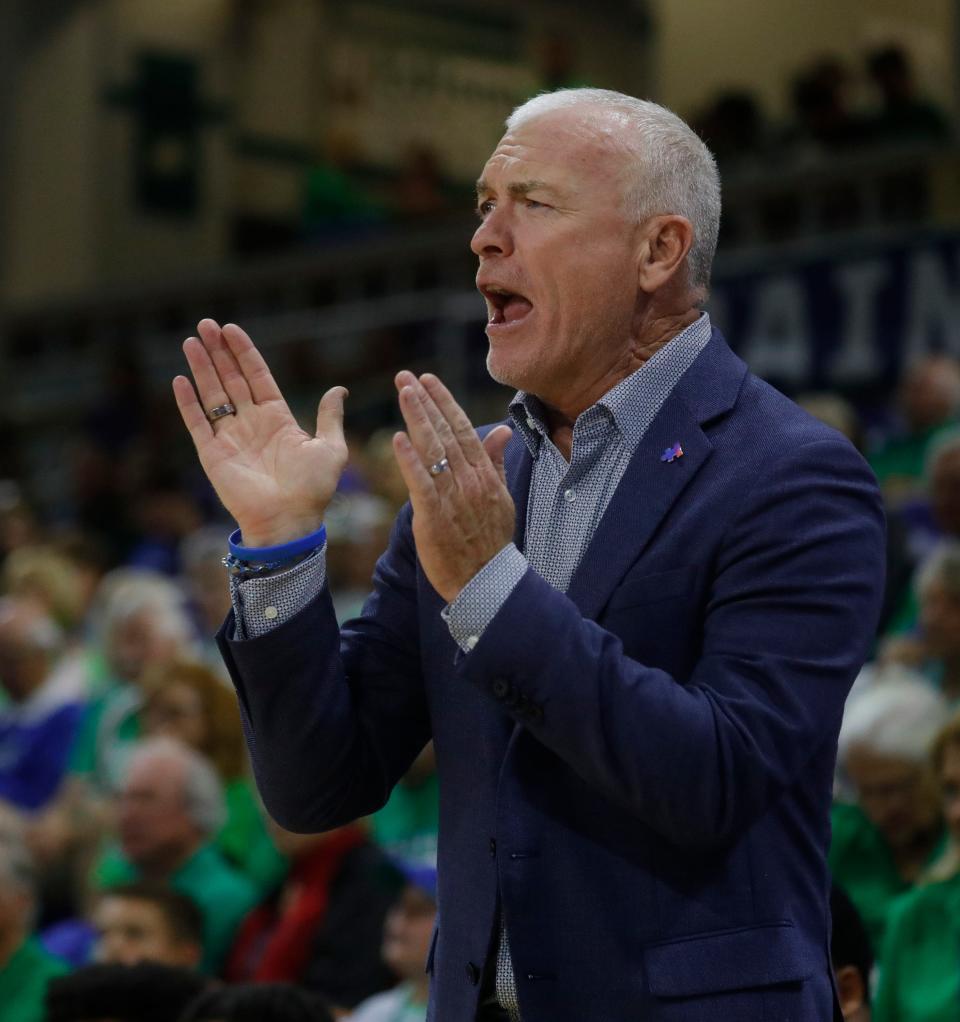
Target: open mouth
point(505, 307)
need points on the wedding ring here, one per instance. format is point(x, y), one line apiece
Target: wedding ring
point(439, 466)
point(220, 411)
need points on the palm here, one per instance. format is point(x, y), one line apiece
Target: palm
point(271, 475)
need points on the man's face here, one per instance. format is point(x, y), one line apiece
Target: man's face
point(130, 930)
point(556, 236)
point(945, 492)
point(152, 818)
point(940, 620)
point(407, 932)
point(899, 797)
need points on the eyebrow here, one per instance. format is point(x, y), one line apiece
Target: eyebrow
point(518, 189)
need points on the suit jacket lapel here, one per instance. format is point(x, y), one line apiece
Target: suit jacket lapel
point(651, 484)
point(517, 465)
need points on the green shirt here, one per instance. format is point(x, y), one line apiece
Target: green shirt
point(23, 983)
point(406, 827)
point(863, 866)
point(108, 729)
point(920, 965)
point(222, 893)
point(244, 840)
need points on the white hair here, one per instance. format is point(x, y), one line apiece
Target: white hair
point(673, 170)
point(943, 565)
point(39, 630)
point(899, 714)
point(128, 592)
point(202, 789)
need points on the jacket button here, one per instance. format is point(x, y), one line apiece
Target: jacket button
point(501, 688)
point(473, 973)
point(493, 847)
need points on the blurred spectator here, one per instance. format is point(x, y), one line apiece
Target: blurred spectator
point(323, 927)
point(265, 1002)
point(943, 473)
point(165, 513)
point(903, 116)
point(919, 974)
point(188, 702)
point(168, 812)
point(823, 122)
point(147, 923)
point(419, 191)
point(733, 127)
point(882, 844)
point(407, 936)
point(41, 712)
point(44, 574)
point(852, 957)
point(201, 560)
point(935, 649)
point(406, 827)
point(146, 992)
point(18, 523)
point(929, 402)
point(25, 968)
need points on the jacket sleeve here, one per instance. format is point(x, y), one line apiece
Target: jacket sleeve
point(325, 748)
point(792, 606)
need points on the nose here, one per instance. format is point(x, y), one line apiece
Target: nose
point(493, 237)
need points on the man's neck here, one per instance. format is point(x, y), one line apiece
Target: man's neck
point(161, 867)
point(650, 338)
point(11, 942)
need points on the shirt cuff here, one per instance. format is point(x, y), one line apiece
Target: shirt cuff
point(480, 599)
point(260, 604)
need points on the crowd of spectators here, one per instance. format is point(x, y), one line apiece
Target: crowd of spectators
point(140, 877)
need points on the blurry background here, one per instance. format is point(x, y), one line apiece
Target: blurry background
point(304, 167)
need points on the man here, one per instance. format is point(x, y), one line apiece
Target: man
point(42, 710)
point(169, 809)
point(25, 968)
point(407, 933)
point(147, 923)
point(629, 627)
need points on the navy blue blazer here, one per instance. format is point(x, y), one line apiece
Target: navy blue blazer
point(638, 770)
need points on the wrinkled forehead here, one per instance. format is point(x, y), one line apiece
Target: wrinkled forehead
point(575, 147)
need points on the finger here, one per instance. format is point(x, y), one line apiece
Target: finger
point(262, 385)
point(495, 444)
point(422, 435)
point(205, 376)
point(448, 440)
point(193, 415)
point(234, 382)
point(459, 422)
point(330, 413)
point(419, 482)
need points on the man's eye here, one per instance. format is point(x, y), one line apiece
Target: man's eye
point(483, 208)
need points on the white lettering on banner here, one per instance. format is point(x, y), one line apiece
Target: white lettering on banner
point(778, 341)
point(933, 307)
point(858, 354)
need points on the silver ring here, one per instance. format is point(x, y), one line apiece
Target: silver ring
point(220, 411)
point(439, 466)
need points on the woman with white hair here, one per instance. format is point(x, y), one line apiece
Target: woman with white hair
point(886, 838)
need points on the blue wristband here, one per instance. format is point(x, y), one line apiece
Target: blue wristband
point(279, 553)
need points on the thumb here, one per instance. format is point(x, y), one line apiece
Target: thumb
point(330, 411)
point(495, 443)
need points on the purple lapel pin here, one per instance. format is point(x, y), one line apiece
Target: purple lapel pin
point(672, 453)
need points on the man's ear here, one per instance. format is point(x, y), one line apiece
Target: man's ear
point(850, 987)
point(667, 242)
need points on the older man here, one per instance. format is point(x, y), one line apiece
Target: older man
point(629, 623)
point(169, 809)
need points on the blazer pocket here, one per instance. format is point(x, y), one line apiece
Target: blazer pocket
point(726, 960)
point(664, 585)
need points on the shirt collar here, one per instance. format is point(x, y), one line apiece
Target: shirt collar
point(625, 401)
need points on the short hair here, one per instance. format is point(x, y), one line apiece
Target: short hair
point(260, 1002)
point(673, 170)
point(180, 912)
point(850, 944)
point(40, 631)
point(202, 790)
point(943, 565)
point(145, 992)
point(126, 593)
point(898, 715)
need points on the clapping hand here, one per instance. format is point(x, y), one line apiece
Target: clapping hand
point(275, 478)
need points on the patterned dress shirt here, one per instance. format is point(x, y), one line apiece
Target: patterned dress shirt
point(565, 505)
